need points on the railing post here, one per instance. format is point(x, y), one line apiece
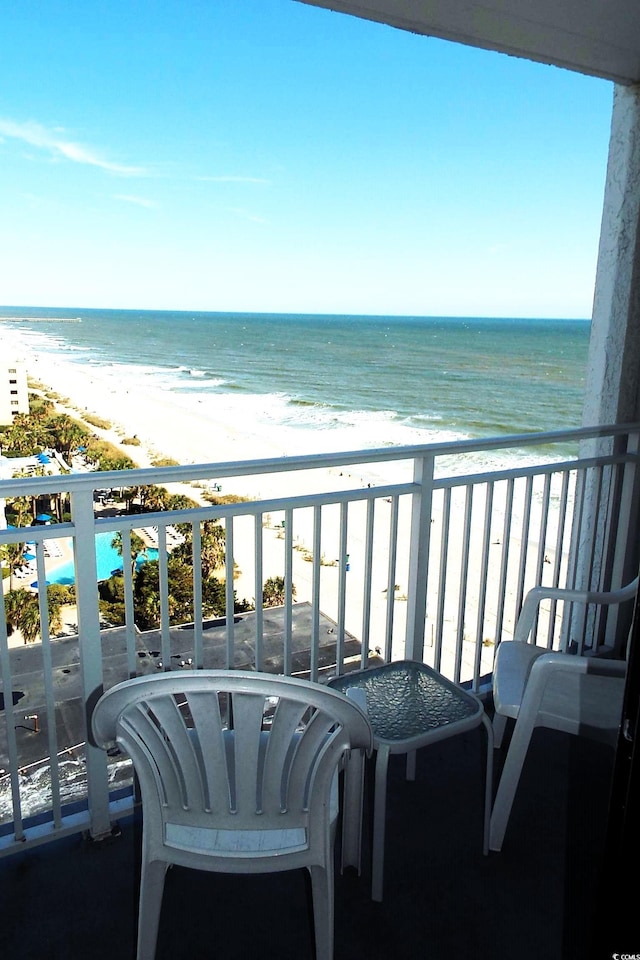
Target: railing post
point(625, 555)
point(423, 469)
point(90, 652)
point(624, 561)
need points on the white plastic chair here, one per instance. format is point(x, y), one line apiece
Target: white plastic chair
point(238, 774)
point(580, 695)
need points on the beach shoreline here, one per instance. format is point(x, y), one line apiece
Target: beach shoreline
point(200, 434)
point(164, 431)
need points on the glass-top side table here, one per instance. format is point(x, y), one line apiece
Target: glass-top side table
point(410, 705)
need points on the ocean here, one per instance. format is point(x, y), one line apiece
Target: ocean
point(350, 382)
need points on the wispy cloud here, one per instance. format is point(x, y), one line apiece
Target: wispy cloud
point(137, 201)
point(232, 179)
point(55, 142)
point(246, 215)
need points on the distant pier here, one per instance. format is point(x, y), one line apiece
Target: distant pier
point(44, 319)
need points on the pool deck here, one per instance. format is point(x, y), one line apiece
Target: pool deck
point(64, 556)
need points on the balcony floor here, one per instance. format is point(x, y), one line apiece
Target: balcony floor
point(443, 898)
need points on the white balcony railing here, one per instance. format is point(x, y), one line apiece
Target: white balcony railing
point(430, 561)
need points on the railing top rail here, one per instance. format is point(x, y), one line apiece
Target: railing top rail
point(535, 470)
point(255, 507)
point(175, 474)
point(276, 504)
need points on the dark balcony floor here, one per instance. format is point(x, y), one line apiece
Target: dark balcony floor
point(76, 900)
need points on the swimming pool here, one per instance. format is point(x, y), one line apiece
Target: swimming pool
point(108, 561)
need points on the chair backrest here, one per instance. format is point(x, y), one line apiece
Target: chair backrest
point(528, 614)
point(231, 750)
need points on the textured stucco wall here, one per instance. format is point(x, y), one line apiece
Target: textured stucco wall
point(607, 548)
point(613, 369)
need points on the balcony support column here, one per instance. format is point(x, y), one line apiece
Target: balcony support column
point(423, 470)
point(613, 366)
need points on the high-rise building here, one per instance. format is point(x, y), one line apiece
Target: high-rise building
point(14, 395)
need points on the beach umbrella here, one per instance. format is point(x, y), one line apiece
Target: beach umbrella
point(43, 458)
point(43, 516)
point(29, 556)
point(36, 584)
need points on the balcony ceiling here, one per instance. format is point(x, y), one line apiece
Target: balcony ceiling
point(597, 37)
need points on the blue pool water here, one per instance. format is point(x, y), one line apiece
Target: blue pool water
point(107, 559)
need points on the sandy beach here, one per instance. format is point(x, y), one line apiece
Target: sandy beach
point(165, 427)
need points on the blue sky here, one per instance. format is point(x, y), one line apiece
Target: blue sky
point(267, 155)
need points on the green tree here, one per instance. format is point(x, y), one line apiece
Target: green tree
point(111, 599)
point(58, 594)
point(212, 547)
point(22, 613)
point(66, 434)
point(13, 553)
point(24, 436)
point(138, 546)
point(22, 610)
point(179, 501)
point(21, 511)
point(153, 498)
point(273, 592)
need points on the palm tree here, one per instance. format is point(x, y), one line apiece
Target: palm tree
point(29, 625)
point(13, 553)
point(21, 508)
point(23, 436)
point(212, 547)
point(58, 595)
point(22, 613)
point(13, 603)
point(154, 498)
point(138, 546)
point(66, 434)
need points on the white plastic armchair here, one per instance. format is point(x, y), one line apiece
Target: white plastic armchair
point(238, 774)
point(580, 695)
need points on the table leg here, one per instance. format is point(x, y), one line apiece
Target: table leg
point(488, 784)
point(379, 815)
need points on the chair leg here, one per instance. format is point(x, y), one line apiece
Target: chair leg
point(151, 890)
point(352, 811)
point(509, 781)
point(323, 909)
point(499, 727)
point(379, 815)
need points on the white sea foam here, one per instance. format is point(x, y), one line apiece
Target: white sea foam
point(284, 422)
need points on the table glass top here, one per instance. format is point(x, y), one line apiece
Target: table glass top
point(406, 699)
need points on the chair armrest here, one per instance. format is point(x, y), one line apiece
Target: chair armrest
point(569, 663)
point(535, 596)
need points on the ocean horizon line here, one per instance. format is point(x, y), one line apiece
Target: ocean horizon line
point(296, 315)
